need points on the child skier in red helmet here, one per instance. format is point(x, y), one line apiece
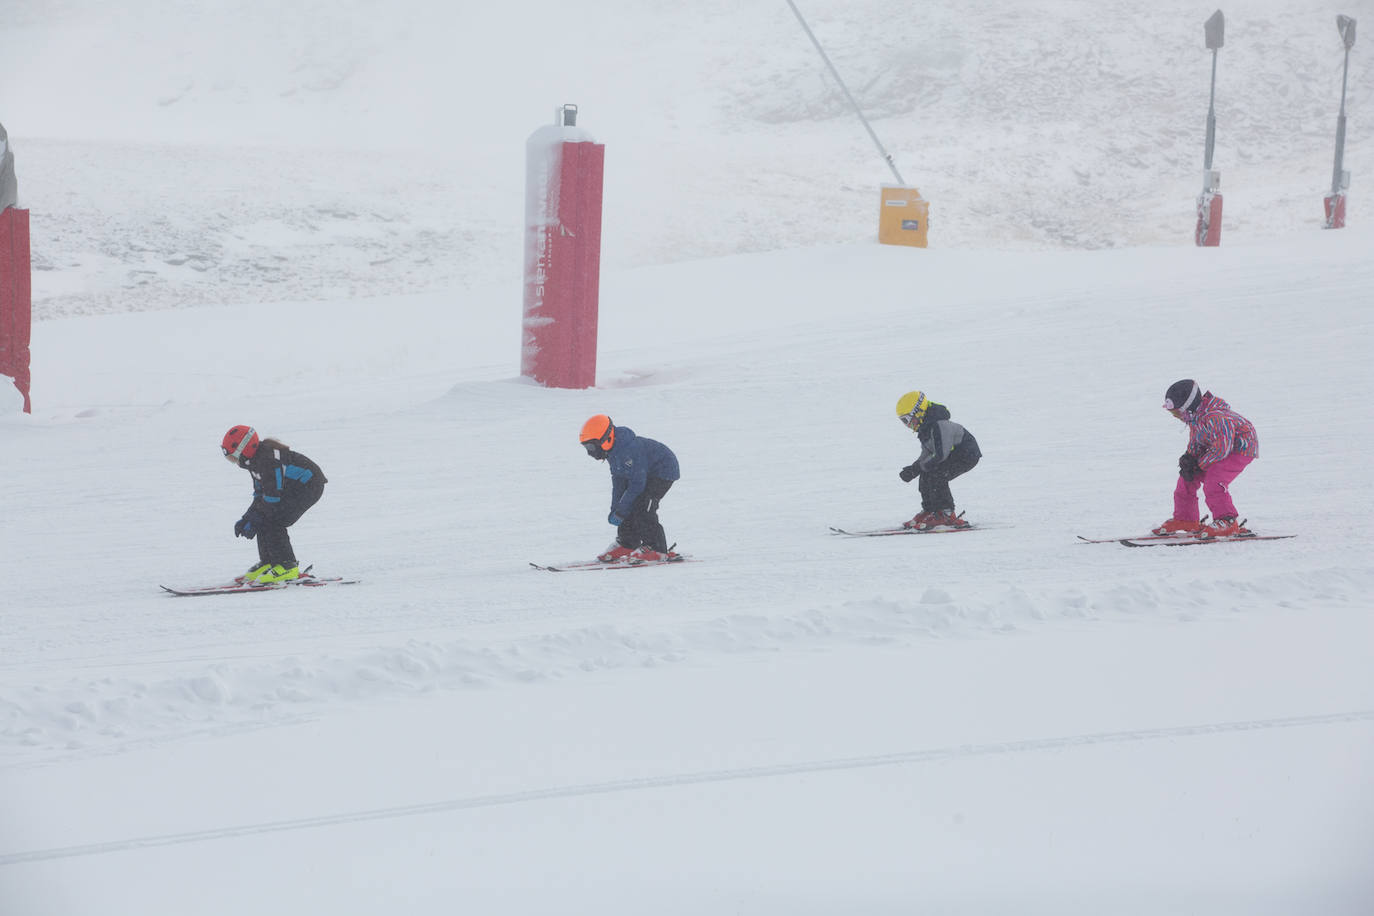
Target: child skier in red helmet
point(1221, 444)
point(285, 485)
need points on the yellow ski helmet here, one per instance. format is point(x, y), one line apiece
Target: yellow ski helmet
point(912, 407)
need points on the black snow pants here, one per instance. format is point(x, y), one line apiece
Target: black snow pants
point(274, 544)
point(935, 494)
point(641, 527)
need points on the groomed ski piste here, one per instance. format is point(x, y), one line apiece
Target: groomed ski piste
point(1006, 722)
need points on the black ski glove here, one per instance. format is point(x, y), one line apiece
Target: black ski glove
point(909, 473)
point(247, 527)
point(1188, 467)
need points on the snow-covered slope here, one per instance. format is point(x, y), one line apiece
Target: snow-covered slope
point(1000, 722)
point(1006, 703)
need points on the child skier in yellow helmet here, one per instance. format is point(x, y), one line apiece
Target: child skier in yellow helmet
point(947, 451)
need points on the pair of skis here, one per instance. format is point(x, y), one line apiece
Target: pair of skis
point(892, 532)
point(1183, 539)
point(902, 529)
point(624, 563)
point(306, 580)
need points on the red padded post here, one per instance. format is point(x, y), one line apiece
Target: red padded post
point(564, 170)
point(16, 299)
point(1335, 211)
point(1208, 233)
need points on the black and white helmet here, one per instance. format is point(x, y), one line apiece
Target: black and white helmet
point(1184, 395)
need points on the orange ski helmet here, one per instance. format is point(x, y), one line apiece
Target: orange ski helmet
point(239, 444)
point(598, 436)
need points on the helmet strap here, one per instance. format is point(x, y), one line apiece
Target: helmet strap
point(237, 453)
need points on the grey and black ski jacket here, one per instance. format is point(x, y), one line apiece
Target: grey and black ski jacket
point(941, 437)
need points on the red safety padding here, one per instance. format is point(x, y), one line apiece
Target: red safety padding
point(16, 299)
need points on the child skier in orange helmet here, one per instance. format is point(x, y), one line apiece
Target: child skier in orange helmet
point(642, 470)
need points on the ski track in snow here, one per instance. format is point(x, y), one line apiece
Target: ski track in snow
point(934, 755)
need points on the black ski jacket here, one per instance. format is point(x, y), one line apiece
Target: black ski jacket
point(282, 478)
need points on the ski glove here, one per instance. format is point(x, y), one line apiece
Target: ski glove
point(909, 473)
point(247, 527)
point(615, 519)
point(1188, 467)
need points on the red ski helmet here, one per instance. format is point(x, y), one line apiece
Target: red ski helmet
point(239, 444)
point(598, 436)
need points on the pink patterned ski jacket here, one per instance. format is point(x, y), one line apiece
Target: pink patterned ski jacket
point(1215, 431)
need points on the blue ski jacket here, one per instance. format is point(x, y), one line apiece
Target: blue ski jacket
point(633, 460)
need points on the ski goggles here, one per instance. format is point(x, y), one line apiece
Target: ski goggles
point(912, 418)
point(601, 445)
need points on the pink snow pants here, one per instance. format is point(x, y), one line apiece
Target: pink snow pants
point(1215, 483)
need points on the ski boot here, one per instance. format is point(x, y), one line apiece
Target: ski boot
point(1227, 527)
point(617, 551)
point(256, 570)
point(921, 521)
point(279, 573)
point(945, 518)
point(1177, 526)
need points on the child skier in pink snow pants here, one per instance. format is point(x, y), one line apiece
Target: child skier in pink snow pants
point(1221, 444)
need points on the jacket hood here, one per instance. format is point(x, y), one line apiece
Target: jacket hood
point(1211, 402)
point(934, 414)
